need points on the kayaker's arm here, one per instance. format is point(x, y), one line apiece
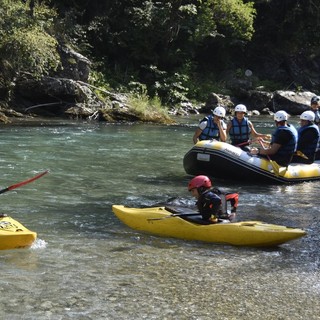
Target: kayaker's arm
point(222, 130)
point(281, 140)
point(234, 199)
point(196, 135)
point(256, 134)
point(269, 151)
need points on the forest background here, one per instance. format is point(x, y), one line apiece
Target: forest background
point(172, 51)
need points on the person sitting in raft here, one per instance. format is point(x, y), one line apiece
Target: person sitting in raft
point(314, 105)
point(212, 127)
point(211, 202)
point(240, 128)
point(308, 139)
point(283, 143)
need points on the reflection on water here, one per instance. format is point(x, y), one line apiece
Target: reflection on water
point(87, 265)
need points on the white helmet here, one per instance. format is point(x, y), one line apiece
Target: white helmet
point(240, 108)
point(307, 115)
point(280, 116)
point(220, 112)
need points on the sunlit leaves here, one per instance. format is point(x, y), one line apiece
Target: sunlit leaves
point(26, 43)
point(31, 50)
point(227, 18)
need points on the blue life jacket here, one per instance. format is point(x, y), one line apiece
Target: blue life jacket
point(314, 145)
point(290, 147)
point(239, 132)
point(211, 131)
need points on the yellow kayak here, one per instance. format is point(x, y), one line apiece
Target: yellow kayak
point(161, 222)
point(14, 235)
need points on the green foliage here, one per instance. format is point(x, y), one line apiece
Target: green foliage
point(26, 44)
point(137, 89)
point(202, 84)
point(170, 50)
point(289, 27)
point(122, 36)
point(227, 18)
point(148, 109)
point(31, 50)
point(165, 36)
point(236, 16)
point(98, 79)
point(171, 88)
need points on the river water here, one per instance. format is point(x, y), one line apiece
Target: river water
point(86, 264)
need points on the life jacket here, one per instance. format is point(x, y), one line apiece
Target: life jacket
point(239, 132)
point(212, 203)
point(314, 145)
point(211, 131)
point(233, 198)
point(290, 147)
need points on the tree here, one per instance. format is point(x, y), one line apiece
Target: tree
point(27, 42)
point(151, 41)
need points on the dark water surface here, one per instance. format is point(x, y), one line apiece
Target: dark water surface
point(87, 265)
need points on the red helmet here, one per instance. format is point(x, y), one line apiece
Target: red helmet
point(199, 181)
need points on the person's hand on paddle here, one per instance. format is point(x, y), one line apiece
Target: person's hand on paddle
point(254, 151)
point(267, 137)
point(260, 141)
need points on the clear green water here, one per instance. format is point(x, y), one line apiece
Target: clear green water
point(87, 265)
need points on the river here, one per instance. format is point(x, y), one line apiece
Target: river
point(86, 264)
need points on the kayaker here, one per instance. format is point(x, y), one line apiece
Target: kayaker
point(308, 139)
point(314, 105)
point(283, 143)
point(240, 128)
point(211, 202)
point(212, 127)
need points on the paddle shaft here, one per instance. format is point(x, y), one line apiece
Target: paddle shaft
point(243, 144)
point(263, 147)
point(176, 215)
point(247, 142)
point(20, 184)
point(301, 154)
point(275, 166)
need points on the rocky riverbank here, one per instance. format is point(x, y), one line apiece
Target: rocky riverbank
point(68, 95)
point(117, 108)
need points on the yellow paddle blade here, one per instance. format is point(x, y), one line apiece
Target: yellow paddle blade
point(278, 170)
point(301, 154)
